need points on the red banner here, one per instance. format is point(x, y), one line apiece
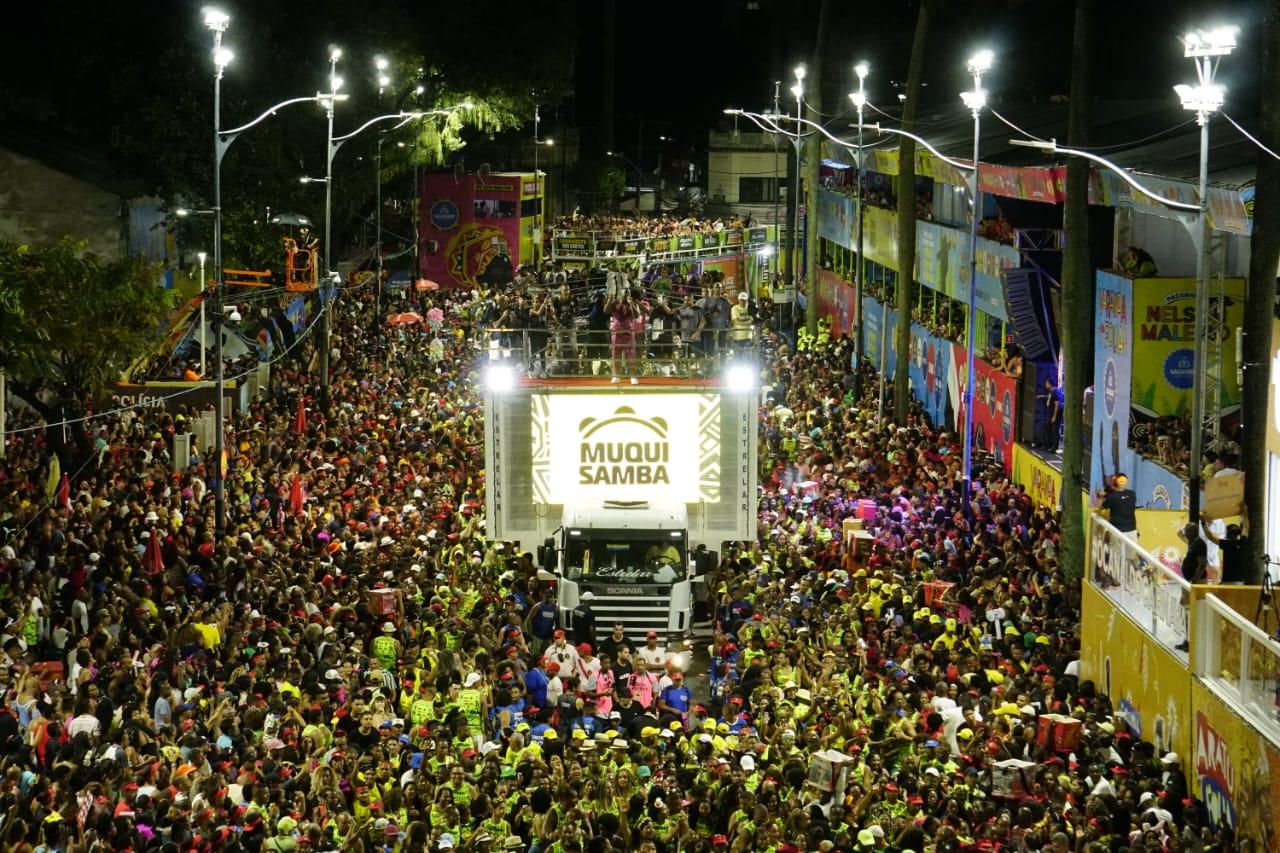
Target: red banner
point(836, 301)
point(995, 397)
point(1033, 184)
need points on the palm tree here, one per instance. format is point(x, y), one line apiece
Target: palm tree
point(810, 175)
point(1260, 303)
point(1077, 299)
point(907, 215)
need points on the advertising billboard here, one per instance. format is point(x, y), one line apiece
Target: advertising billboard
point(836, 301)
point(467, 223)
point(1164, 336)
point(1042, 481)
point(836, 218)
point(1113, 357)
point(942, 263)
point(639, 447)
point(1235, 771)
point(995, 397)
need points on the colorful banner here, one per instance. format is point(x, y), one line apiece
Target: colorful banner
point(836, 300)
point(994, 404)
point(942, 263)
point(837, 218)
point(1112, 378)
point(1235, 771)
point(1156, 486)
point(880, 236)
point(1042, 481)
point(1164, 335)
point(466, 223)
point(942, 252)
point(574, 245)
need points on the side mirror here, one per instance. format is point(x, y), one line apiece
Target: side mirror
point(547, 553)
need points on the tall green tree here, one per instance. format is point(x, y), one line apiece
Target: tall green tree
point(907, 214)
point(1077, 297)
point(1260, 302)
point(811, 174)
point(71, 322)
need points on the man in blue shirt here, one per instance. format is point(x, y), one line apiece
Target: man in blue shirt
point(540, 624)
point(535, 683)
point(674, 701)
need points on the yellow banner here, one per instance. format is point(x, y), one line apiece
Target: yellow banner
point(1042, 481)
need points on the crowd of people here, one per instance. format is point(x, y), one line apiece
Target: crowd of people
point(662, 225)
point(352, 664)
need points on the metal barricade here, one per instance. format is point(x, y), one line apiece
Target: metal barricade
point(1152, 594)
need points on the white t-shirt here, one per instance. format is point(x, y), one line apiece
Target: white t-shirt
point(86, 723)
point(652, 657)
point(588, 674)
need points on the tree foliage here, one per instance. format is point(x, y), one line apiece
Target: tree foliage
point(71, 322)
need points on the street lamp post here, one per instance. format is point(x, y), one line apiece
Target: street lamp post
point(380, 65)
point(335, 83)
point(333, 143)
point(537, 185)
point(204, 296)
point(1203, 99)
point(975, 101)
point(217, 21)
point(793, 252)
point(859, 99)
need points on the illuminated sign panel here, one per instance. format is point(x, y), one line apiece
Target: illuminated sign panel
point(623, 447)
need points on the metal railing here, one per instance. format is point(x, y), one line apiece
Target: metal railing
point(1153, 595)
point(579, 352)
point(1239, 663)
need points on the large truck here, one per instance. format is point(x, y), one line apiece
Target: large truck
point(628, 492)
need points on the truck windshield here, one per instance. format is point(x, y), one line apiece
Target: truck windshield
point(624, 559)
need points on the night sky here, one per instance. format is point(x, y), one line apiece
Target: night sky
point(678, 64)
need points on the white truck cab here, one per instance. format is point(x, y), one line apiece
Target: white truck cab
point(634, 558)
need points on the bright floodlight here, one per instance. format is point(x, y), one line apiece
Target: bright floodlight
point(1218, 41)
point(466, 105)
point(766, 250)
point(548, 142)
point(335, 53)
point(797, 90)
point(740, 377)
point(216, 19)
point(1202, 98)
point(975, 100)
point(200, 256)
point(499, 378)
point(800, 71)
point(337, 82)
point(861, 69)
point(222, 57)
point(180, 212)
point(380, 63)
point(419, 89)
point(383, 81)
point(981, 61)
point(859, 99)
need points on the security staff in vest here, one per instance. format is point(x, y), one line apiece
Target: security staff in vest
point(583, 620)
point(385, 646)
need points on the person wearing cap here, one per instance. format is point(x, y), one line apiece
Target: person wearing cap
point(386, 647)
point(562, 653)
point(582, 620)
point(473, 700)
point(674, 701)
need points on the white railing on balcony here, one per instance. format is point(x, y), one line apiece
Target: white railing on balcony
point(1150, 593)
point(1238, 662)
